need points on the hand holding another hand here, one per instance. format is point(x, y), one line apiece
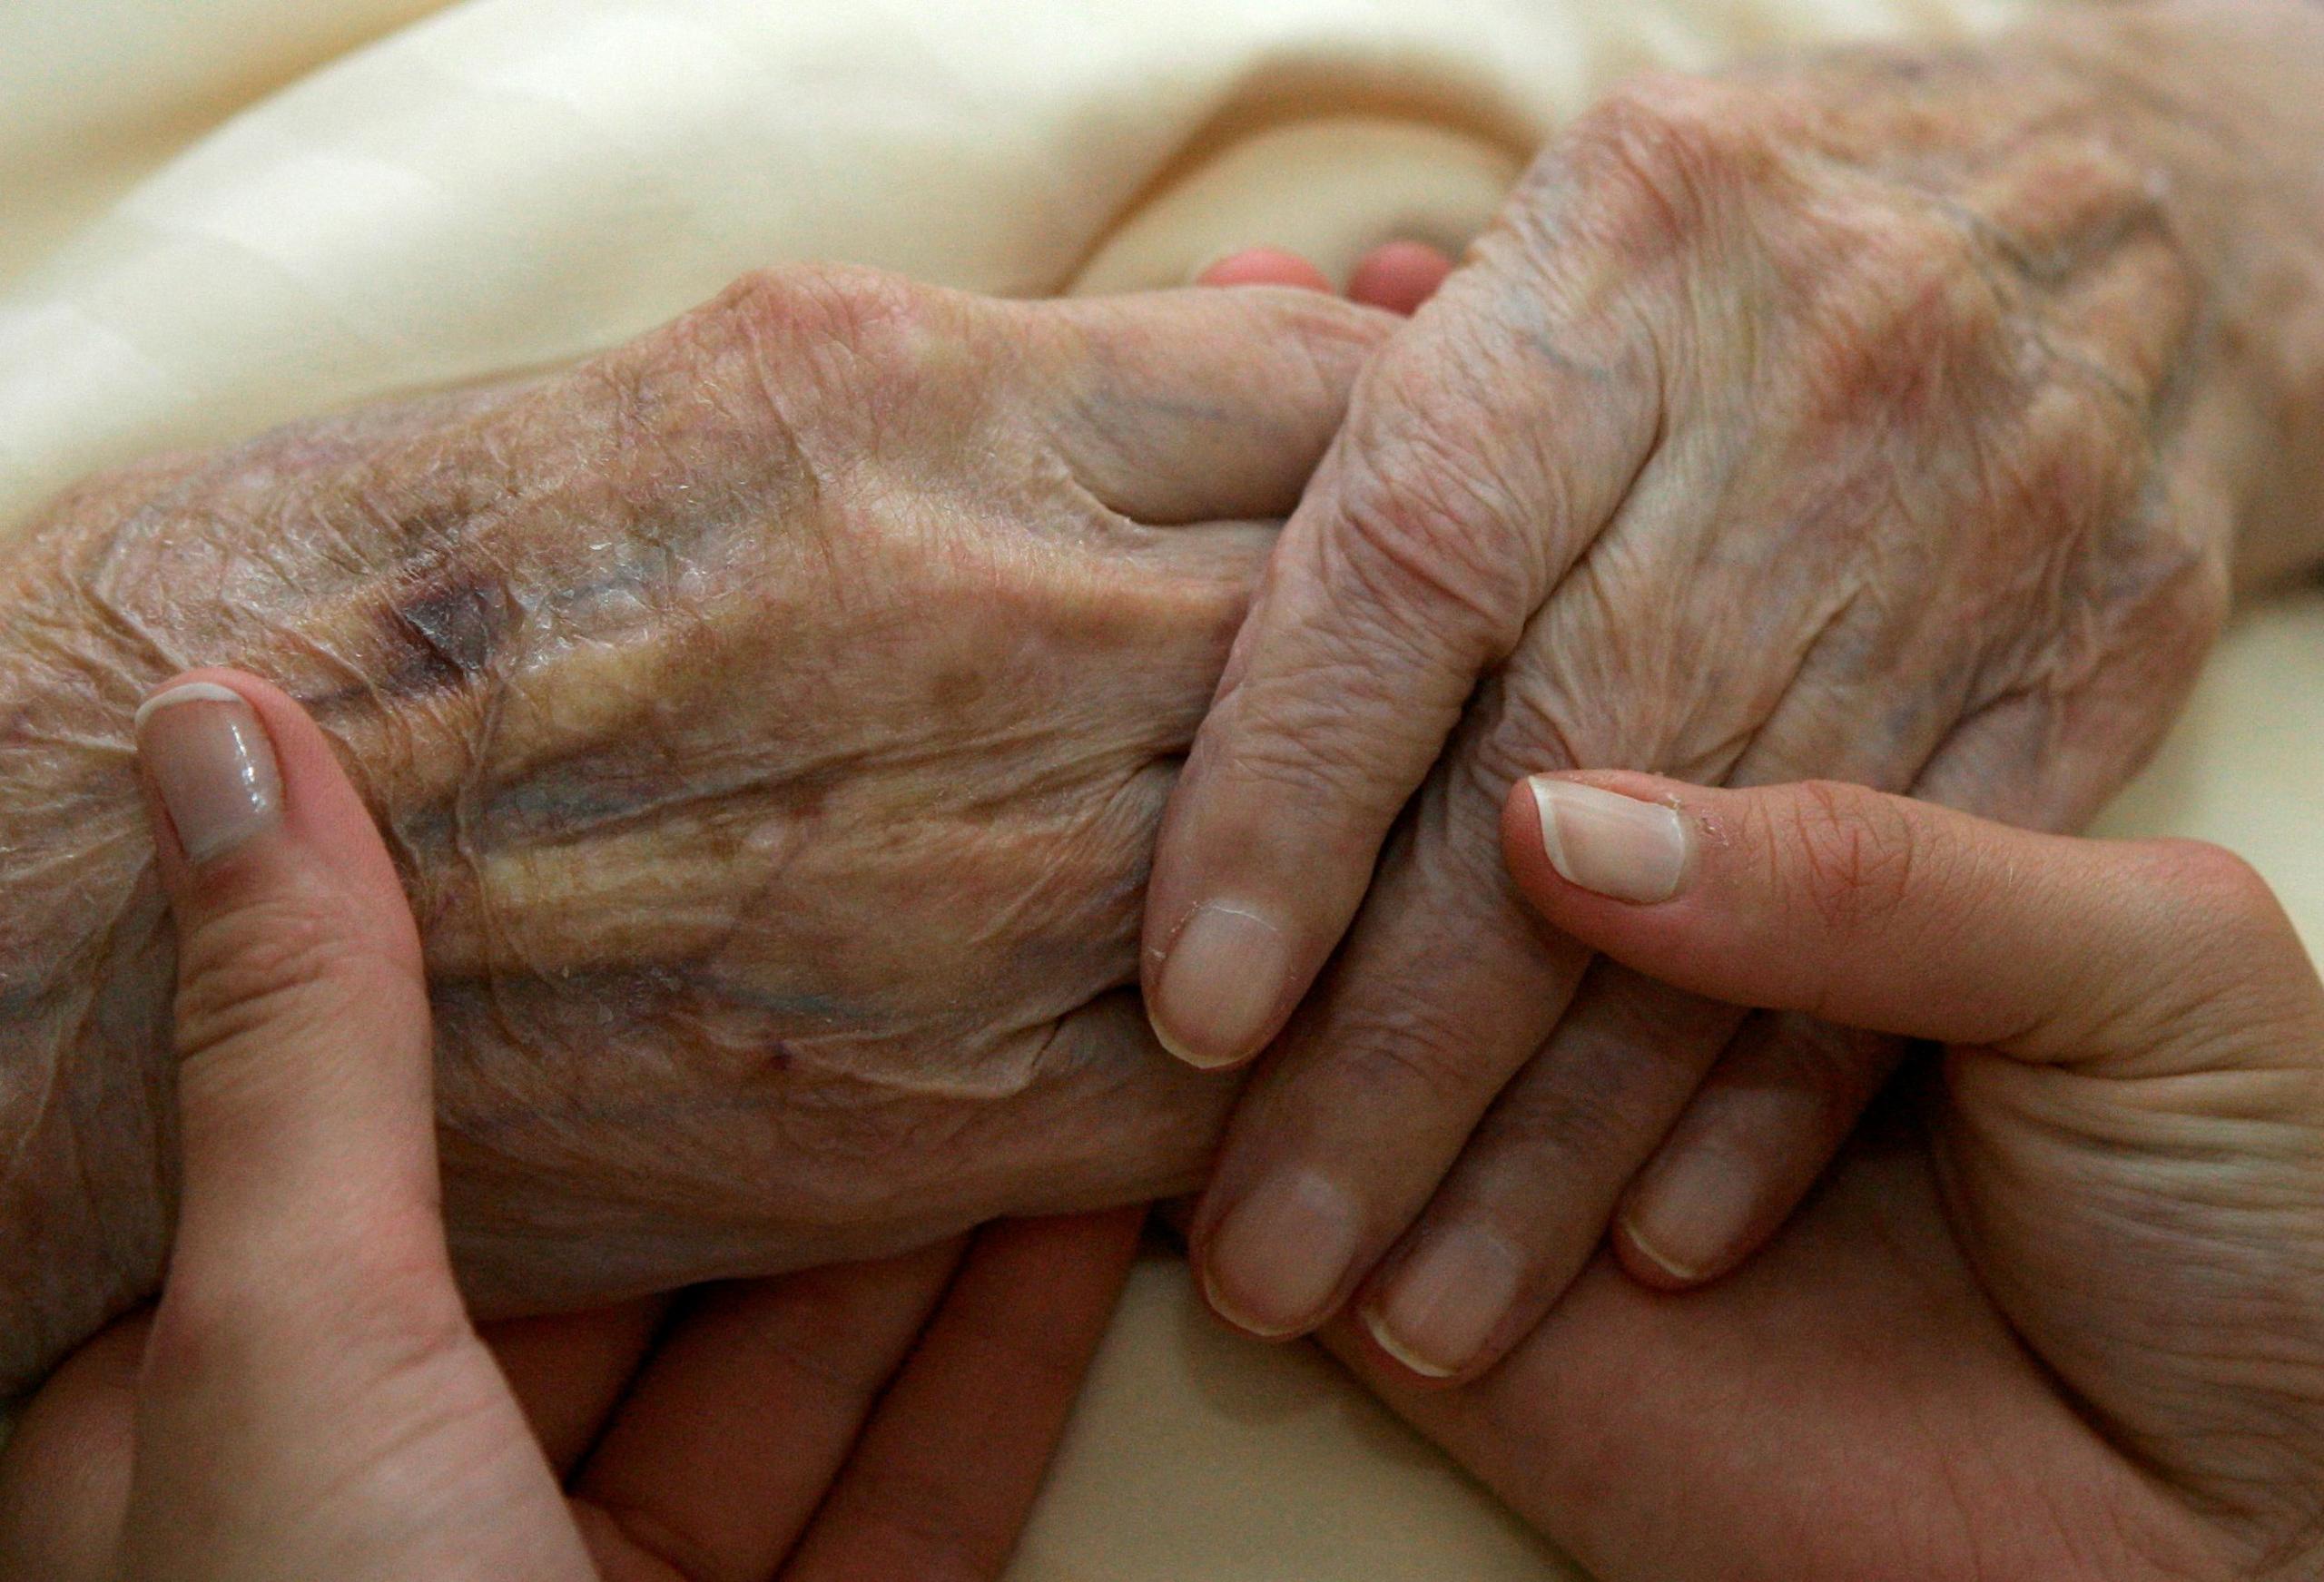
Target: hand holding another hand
point(309, 1399)
point(1892, 414)
point(769, 720)
point(2060, 1314)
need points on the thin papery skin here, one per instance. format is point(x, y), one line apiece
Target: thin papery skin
point(771, 725)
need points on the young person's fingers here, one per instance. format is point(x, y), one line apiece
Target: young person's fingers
point(65, 1471)
point(946, 1472)
point(311, 1365)
point(724, 1448)
point(1398, 276)
point(1758, 1133)
point(1264, 266)
point(568, 1371)
point(1901, 917)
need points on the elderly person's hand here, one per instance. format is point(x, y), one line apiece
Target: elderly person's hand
point(2060, 1316)
point(309, 1400)
point(771, 719)
point(1895, 416)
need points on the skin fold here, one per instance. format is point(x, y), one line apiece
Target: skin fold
point(769, 719)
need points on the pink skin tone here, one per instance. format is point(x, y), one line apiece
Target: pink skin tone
point(1398, 276)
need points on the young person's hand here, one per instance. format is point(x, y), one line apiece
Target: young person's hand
point(2062, 1315)
point(309, 1400)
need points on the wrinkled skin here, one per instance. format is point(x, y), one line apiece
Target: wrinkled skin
point(770, 719)
point(1895, 416)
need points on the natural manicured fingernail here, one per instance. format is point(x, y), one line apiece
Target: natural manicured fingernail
point(1276, 1258)
point(1220, 985)
point(1616, 845)
point(211, 761)
point(1443, 1304)
point(1689, 1212)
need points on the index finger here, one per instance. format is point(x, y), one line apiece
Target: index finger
point(1483, 452)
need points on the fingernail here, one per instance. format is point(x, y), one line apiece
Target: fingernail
point(1279, 1254)
point(1445, 1303)
point(1616, 845)
point(211, 761)
point(1689, 1213)
point(1220, 985)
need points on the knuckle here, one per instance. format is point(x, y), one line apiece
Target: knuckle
point(835, 303)
point(1414, 1058)
point(2238, 961)
point(873, 337)
point(2219, 893)
point(264, 961)
point(1427, 546)
point(1332, 336)
point(1847, 853)
point(1305, 738)
point(1673, 149)
point(1904, 310)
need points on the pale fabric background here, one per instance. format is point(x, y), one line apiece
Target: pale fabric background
point(217, 217)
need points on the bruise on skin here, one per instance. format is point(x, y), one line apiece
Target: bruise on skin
point(448, 636)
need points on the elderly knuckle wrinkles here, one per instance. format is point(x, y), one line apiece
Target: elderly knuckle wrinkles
point(1674, 151)
point(1335, 338)
point(1903, 318)
point(1566, 1128)
point(1417, 1054)
point(829, 303)
point(863, 340)
point(1424, 562)
point(1311, 747)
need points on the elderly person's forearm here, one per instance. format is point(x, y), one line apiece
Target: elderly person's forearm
point(2217, 104)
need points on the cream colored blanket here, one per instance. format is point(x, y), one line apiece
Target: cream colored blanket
point(216, 217)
